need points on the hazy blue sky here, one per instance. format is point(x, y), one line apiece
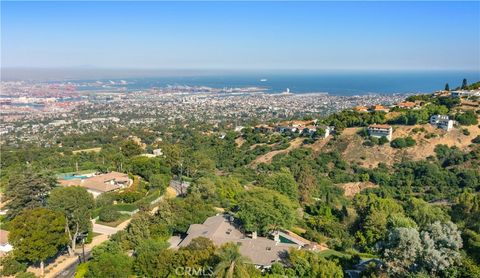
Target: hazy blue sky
point(242, 35)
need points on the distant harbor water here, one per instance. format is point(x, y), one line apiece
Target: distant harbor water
point(345, 83)
point(339, 83)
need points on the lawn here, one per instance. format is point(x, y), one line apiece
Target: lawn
point(122, 218)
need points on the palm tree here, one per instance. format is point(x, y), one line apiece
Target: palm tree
point(231, 262)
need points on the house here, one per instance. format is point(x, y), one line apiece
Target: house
point(98, 184)
point(284, 129)
point(361, 109)
point(465, 93)
point(261, 251)
point(379, 108)
point(380, 131)
point(5, 247)
point(328, 130)
point(407, 105)
point(262, 128)
point(309, 130)
point(363, 265)
point(442, 121)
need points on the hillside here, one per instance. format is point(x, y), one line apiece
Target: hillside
point(351, 148)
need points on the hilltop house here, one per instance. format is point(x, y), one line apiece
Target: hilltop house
point(380, 131)
point(407, 105)
point(98, 184)
point(380, 108)
point(361, 109)
point(261, 251)
point(328, 130)
point(465, 93)
point(442, 121)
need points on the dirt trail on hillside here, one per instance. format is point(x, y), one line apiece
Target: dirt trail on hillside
point(267, 158)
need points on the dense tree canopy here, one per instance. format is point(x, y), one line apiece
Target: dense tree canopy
point(37, 234)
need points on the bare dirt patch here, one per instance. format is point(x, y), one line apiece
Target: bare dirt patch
point(353, 188)
point(239, 141)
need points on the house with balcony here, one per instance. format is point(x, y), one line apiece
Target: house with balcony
point(442, 121)
point(379, 131)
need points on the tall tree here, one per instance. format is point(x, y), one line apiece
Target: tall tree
point(131, 148)
point(231, 262)
point(402, 249)
point(309, 264)
point(283, 182)
point(264, 210)
point(109, 260)
point(447, 87)
point(76, 204)
point(307, 184)
point(27, 189)
point(37, 234)
point(464, 84)
point(442, 243)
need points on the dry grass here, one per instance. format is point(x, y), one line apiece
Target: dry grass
point(350, 145)
point(353, 188)
point(91, 150)
point(267, 158)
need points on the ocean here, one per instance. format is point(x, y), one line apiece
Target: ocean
point(298, 82)
point(338, 83)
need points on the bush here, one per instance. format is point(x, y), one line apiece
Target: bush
point(129, 196)
point(106, 199)
point(400, 143)
point(108, 214)
point(465, 132)
point(383, 140)
point(125, 207)
point(11, 266)
point(476, 140)
point(81, 270)
point(467, 118)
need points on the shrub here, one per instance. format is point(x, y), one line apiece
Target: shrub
point(467, 118)
point(129, 196)
point(11, 266)
point(108, 214)
point(465, 132)
point(383, 140)
point(476, 140)
point(106, 199)
point(400, 143)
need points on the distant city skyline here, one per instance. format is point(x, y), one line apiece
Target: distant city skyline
point(242, 35)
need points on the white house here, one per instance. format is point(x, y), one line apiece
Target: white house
point(442, 121)
point(464, 93)
point(328, 130)
point(379, 131)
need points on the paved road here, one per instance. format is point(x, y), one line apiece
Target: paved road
point(105, 230)
point(70, 271)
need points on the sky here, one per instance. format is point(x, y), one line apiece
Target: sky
point(242, 35)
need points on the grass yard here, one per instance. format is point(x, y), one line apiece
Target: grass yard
point(122, 218)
